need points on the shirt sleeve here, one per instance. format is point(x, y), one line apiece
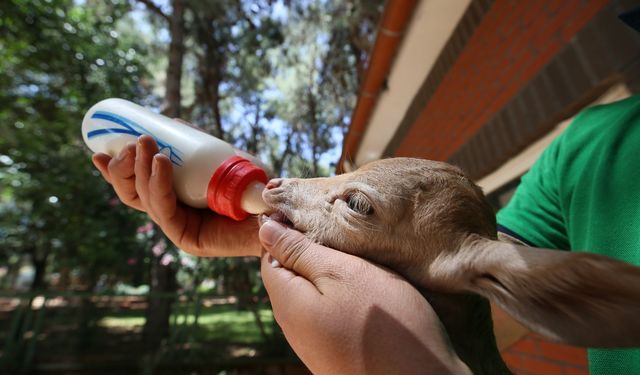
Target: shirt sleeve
point(534, 214)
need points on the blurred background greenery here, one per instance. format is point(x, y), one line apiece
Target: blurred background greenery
point(89, 285)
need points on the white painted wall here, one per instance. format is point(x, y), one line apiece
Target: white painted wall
point(431, 26)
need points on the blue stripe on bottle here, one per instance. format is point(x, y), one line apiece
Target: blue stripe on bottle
point(131, 128)
point(95, 133)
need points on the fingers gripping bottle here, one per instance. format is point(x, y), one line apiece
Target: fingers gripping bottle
point(207, 172)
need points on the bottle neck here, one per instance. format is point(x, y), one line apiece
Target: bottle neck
point(235, 189)
point(251, 200)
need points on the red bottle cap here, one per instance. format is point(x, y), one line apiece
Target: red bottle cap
point(229, 182)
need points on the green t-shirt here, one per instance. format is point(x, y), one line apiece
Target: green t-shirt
point(583, 194)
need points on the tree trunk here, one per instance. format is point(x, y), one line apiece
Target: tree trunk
point(163, 278)
point(278, 161)
point(163, 284)
point(39, 266)
point(252, 143)
point(65, 278)
point(215, 104)
point(171, 106)
point(211, 78)
point(211, 65)
point(314, 132)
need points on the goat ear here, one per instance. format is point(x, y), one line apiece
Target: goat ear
point(580, 299)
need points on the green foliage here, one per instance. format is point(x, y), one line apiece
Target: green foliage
point(277, 81)
point(57, 59)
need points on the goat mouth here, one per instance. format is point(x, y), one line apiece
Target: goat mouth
point(278, 216)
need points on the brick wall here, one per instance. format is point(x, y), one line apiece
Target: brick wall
point(534, 356)
point(512, 43)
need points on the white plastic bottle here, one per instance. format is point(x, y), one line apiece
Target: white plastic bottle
point(207, 172)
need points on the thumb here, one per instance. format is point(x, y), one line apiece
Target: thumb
point(296, 252)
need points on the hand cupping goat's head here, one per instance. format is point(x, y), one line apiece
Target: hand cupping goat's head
point(399, 212)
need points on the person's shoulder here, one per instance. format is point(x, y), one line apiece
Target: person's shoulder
point(600, 117)
point(608, 110)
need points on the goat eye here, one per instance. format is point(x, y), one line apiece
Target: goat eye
point(359, 203)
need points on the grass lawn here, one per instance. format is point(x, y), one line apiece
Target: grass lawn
point(216, 323)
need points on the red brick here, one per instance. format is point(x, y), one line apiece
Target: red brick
point(541, 367)
point(572, 28)
point(564, 353)
point(566, 13)
point(576, 371)
point(513, 361)
point(513, 42)
point(526, 345)
point(553, 6)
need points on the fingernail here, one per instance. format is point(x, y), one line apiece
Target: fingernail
point(274, 262)
point(270, 232)
point(154, 165)
point(262, 219)
point(138, 148)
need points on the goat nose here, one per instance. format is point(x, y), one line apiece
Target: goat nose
point(274, 183)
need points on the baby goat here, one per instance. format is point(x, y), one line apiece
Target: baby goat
point(427, 221)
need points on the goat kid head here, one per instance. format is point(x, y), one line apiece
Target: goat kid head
point(427, 221)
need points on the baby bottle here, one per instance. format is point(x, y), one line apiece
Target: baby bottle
point(207, 172)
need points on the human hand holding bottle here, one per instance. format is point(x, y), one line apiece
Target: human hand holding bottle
point(142, 179)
